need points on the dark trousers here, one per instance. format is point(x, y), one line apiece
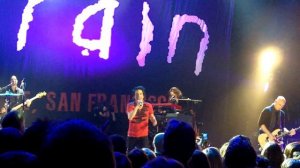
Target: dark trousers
point(137, 142)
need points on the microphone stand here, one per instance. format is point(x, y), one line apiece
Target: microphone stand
point(23, 95)
point(5, 87)
point(191, 103)
point(191, 100)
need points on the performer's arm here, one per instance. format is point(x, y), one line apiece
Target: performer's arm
point(131, 113)
point(267, 131)
point(28, 102)
point(151, 115)
point(291, 132)
point(101, 114)
point(153, 119)
point(3, 110)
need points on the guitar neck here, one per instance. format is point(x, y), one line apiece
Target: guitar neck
point(35, 97)
point(286, 133)
point(283, 134)
point(22, 104)
point(39, 95)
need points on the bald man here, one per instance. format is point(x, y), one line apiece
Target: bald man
point(273, 118)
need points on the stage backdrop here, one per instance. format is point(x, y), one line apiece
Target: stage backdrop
point(89, 51)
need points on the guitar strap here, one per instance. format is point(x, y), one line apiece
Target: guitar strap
point(282, 122)
point(274, 119)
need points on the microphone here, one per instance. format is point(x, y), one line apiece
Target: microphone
point(22, 85)
point(140, 103)
point(173, 99)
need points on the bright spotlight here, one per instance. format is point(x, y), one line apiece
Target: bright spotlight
point(269, 60)
point(266, 87)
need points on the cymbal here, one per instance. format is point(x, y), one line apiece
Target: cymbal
point(10, 94)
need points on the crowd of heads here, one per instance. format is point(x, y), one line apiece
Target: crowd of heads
point(78, 142)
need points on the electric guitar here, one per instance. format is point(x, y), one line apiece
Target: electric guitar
point(37, 96)
point(263, 138)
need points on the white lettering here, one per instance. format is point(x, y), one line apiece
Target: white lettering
point(147, 36)
point(178, 22)
point(26, 18)
point(103, 43)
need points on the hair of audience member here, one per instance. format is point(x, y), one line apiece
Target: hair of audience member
point(223, 149)
point(10, 139)
point(291, 148)
point(14, 119)
point(150, 154)
point(138, 157)
point(240, 153)
point(77, 142)
point(158, 143)
point(262, 162)
point(122, 161)
point(179, 141)
point(273, 152)
point(198, 159)
point(162, 162)
point(119, 143)
point(214, 157)
point(35, 135)
point(290, 163)
point(21, 159)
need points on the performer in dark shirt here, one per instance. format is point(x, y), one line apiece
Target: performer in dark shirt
point(14, 96)
point(273, 118)
point(105, 115)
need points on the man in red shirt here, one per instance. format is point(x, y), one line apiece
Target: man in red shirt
point(139, 112)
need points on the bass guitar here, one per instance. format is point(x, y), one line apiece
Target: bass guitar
point(37, 96)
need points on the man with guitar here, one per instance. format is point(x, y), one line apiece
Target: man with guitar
point(272, 122)
point(14, 97)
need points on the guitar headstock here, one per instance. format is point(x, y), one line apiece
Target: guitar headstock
point(41, 94)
